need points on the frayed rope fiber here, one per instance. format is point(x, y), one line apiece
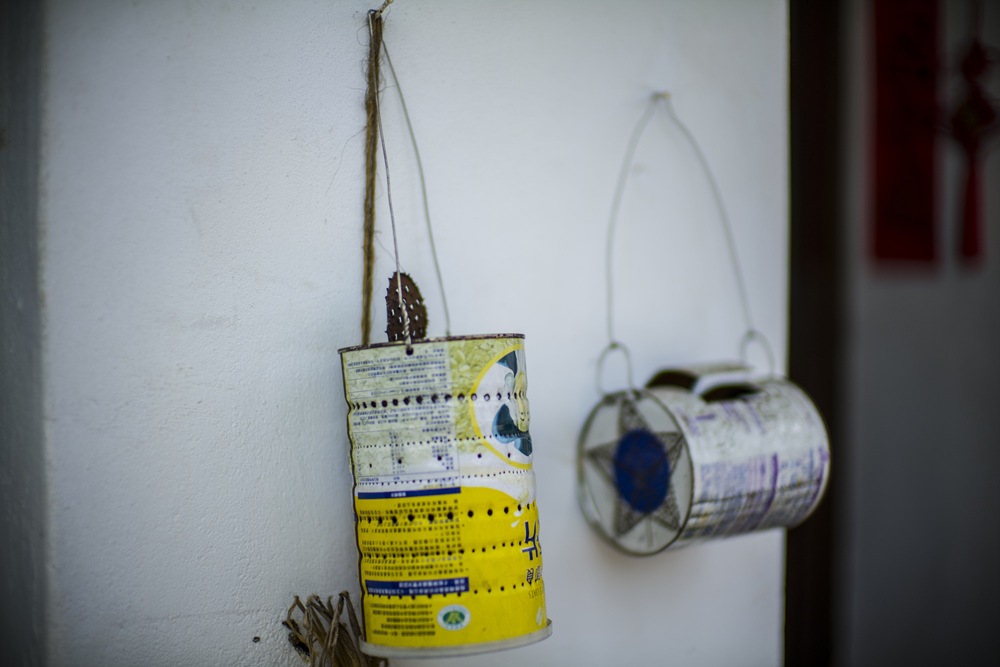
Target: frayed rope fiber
point(371, 152)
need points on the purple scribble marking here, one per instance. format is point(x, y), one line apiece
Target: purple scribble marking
point(824, 457)
point(706, 418)
point(691, 424)
point(755, 415)
point(735, 414)
point(773, 492)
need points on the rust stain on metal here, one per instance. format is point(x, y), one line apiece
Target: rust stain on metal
point(412, 301)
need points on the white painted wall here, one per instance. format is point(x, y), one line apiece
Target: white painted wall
point(920, 532)
point(201, 216)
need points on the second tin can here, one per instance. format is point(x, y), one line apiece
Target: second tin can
point(696, 455)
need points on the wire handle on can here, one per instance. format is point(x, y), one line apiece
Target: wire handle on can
point(752, 334)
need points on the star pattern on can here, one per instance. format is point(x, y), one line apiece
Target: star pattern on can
point(638, 464)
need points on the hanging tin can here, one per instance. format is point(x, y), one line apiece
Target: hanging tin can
point(444, 496)
point(691, 457)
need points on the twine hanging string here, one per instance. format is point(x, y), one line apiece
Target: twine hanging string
point(375, 18)
point(374, 135)
point(752, 334)
point(423, 190)
point(371, 148)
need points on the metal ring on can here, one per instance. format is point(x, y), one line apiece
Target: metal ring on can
point(612, 346)
point(752, 335)
point(634, 486)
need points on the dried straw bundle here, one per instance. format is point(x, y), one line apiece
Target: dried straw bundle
point(322, 639)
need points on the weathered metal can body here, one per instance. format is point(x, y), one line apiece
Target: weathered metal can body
point(444, 496)
point(677, 462)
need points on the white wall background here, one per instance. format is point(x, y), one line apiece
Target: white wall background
point(201, 215)
point(920, 531)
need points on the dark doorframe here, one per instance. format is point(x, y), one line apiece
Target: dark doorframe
point(815, 307)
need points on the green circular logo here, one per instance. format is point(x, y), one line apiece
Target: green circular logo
point(453, 617)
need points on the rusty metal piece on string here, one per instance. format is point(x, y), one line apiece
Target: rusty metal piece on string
point(415, 310)
point(322, 639)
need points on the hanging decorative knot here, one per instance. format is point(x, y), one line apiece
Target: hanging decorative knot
point(972, 125)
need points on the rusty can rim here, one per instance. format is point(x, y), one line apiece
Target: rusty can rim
point(423, 341)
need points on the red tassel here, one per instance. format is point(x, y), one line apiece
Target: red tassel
point(971, 214)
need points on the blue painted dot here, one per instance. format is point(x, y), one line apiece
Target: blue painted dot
point(642, 471)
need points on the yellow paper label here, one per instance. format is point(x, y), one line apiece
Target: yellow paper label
point(451, 569)
point(447, 524)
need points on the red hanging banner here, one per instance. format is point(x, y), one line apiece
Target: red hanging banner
point(906, 121)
